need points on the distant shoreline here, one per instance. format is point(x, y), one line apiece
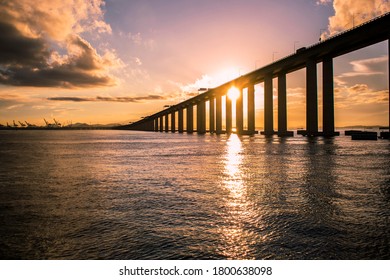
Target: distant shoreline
point(59, 128)
point(123, 127)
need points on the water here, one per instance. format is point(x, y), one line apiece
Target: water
point(140, 195)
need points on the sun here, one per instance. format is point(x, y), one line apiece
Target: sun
point(233, 93)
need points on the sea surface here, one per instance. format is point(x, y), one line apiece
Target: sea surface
point(147, 195)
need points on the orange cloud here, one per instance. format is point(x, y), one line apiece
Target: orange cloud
point(360, 94)
point(33, 36)
point(55, 19)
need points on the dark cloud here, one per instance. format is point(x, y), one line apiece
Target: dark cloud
point(17, 50)
point(62, 76)
point(27, 60)
point(108, 99)
point(89, 60)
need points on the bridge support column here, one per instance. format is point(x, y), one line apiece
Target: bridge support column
point(173, 121)
point(228, 115)
point(311, 99)
point(166, 128)
point(251, 109)
point(151, 125)
point(180, 120)
point(211, 115)
point(161, 124)
point(190, 119)
point(156, 124)
point(218, 112)
point(201, 117)
point(268, 106)
point(282, 107)
point(328, 98)
point(240, 113)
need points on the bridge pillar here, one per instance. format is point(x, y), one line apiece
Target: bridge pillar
point(161, 124)
point(166, 128)
point(268, 106)
point(190, 119)
point(156, 124)
point(173, 121)
point(201, 117)
point(328, 98)
point(311, 98)
point(239, 113)
point(228, 115)
point(151, 124)
point(251, 109)
point(282, 107)
point(211, 115)
point(180, 120)
point(218, 112)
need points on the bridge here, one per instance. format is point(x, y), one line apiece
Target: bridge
point(364, 35)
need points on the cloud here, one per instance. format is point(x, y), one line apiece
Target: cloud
point(204, 82)
point(139, 40)
point(55, 19)
point(109, 99)
point(136, 38)
point(324, 2)
point(367, 67)
point(18, 50)
point(359, 94)
point(372, 71)
point(14, 106)
point(296, 95)
point(350, 13)
point(41, 44)
point(207, 81)
point(11, 102)
point(138, 61)
point(371, 66)
point(181, 92)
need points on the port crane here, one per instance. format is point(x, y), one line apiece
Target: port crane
point(22, 124)
point(57, 123)
point(48, 124)
point(52, 125)
point(29, 124)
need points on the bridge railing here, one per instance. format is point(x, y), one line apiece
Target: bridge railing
point(347, 30)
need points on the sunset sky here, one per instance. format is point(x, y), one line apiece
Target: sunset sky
point(115, 61)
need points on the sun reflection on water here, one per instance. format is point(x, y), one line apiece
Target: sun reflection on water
point(238, 213)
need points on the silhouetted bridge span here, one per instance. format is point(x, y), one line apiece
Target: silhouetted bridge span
point(372, 32)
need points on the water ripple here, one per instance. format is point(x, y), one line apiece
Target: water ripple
point(133, 195)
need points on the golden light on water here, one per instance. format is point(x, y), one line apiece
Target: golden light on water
point(238, 207)
point(233, 160)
